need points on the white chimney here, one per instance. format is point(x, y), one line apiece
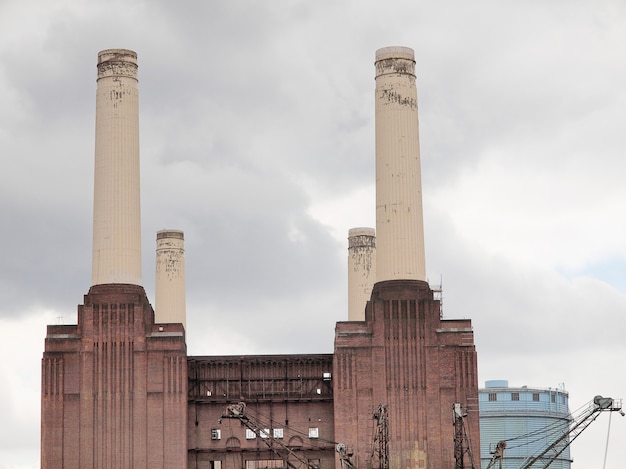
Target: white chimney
point(399, 219)
point(170, 300)
point(361, 270)
point(116, 256)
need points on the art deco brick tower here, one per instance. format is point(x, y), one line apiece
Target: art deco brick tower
point(403, 357)
point(114, 386)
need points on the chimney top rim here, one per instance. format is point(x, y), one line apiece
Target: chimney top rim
point(361, 231)
point(117, 55)
point(397, 52)
point(170, 234)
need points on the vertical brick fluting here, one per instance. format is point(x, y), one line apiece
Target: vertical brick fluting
point(406, 357)
point(114, 387)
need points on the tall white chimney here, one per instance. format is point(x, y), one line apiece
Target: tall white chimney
point(399, 219)
point(361, 270)
point(116, 256)
point(170, 306)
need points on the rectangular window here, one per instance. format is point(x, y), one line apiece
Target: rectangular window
point(553, 398)
point(314, 432)
point(536, 396)
point(215, 464)
point(265, 433)
point(216, 434)
point(266, 464)
point(278, 433)
point(493, 396)
point(250, 435)
point(515, 396)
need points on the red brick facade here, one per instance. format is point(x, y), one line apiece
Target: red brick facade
point(406, 357)
point(114, 387)
point(118, 391)
point(290, 396)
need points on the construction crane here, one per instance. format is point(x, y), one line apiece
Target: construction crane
point(462, 445)
point(381, 437)
point(549, 454)
point(344, 456)
point(275, 445)
point(238, 411)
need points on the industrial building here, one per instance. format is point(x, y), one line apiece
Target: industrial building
point(400, 389)
point(528, 419)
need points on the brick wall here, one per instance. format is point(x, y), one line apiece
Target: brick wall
point(404, 356)
point(114, 386)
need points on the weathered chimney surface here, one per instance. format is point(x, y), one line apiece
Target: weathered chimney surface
point(170, 278)
point(116, 256)
point(399, 218)
point(361, 270)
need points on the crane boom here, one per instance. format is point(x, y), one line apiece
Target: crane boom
point(548, 455)
point(238, 411)
point(598, 405)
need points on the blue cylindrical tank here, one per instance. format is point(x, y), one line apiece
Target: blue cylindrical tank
point(528, 419)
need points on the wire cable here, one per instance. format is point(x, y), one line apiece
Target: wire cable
point(606, 448)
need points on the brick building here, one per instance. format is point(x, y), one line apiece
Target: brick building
point(119, 391)
point(114, 387)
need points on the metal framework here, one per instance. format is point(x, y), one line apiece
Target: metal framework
point(238, 411)
point(381, 437)
point(259, 378)
point(548, 455)
point(462, 444)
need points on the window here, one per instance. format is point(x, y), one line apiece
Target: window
point(266, 464)
point(515, 396)
point(250, 435)
point(278, 433)
point(536, 396)
point(314, 432)
point(493, 396)
point(215, 464)
point(216, 434)
point(553, 398)
point(265, 433)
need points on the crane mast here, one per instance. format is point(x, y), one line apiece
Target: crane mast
point(381, 436)
point(462, 445)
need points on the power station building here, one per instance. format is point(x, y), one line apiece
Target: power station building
point(400, 389)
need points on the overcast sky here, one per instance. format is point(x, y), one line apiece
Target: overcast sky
point(257, 140)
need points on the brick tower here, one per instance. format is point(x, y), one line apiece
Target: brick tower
point(114, 386)
point(404, 356)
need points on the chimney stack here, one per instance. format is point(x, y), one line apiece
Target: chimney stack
point(361, 270)
point(399, 219)
point(116, 256)
point(170, 278)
